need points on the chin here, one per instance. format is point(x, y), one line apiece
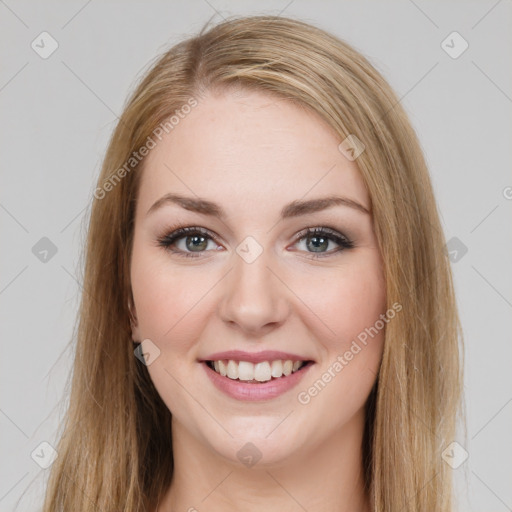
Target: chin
point(256, 441)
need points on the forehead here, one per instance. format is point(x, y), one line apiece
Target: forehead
point(250, 147)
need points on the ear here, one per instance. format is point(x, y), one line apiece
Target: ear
point(133, 320)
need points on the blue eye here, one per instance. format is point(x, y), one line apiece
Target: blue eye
point(196, 241)
point(319, 238)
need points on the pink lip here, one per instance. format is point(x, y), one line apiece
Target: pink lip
point(254, 357)
point(253, 391)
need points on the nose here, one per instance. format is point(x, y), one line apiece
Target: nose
point(254, 299)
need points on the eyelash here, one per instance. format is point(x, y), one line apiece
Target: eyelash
point(168, 240)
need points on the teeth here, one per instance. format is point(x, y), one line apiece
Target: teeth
point(277, 368)
point(232, 370)
point(245, 370)
point(222, 368)
point(261, 372)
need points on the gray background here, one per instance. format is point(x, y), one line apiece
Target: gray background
point(59, 112)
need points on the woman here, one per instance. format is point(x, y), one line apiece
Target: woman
point(268, 319)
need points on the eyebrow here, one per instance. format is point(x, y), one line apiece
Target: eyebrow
point(293, 209)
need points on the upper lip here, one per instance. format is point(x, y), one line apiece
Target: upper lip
point(254, 357)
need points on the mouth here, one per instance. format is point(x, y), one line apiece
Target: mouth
point(255, 376)
point(256, 373)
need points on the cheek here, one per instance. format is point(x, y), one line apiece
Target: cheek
point(350, 303)
point(167, 298)
point(347, 301)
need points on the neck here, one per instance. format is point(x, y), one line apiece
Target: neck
point(326, 477)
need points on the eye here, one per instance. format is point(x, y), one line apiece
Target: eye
point(190, 242)
point(319, 239)
point(195, 240)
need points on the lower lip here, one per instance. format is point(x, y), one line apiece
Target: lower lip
point(252, 392)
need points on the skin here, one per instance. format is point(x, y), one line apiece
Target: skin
point(252, 153)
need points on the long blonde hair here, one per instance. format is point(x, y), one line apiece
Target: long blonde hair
point(115, 449)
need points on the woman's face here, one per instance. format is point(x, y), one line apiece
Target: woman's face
point(252, 173)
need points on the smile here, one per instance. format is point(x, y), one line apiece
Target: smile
point(263, 371)
point(241, 377)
